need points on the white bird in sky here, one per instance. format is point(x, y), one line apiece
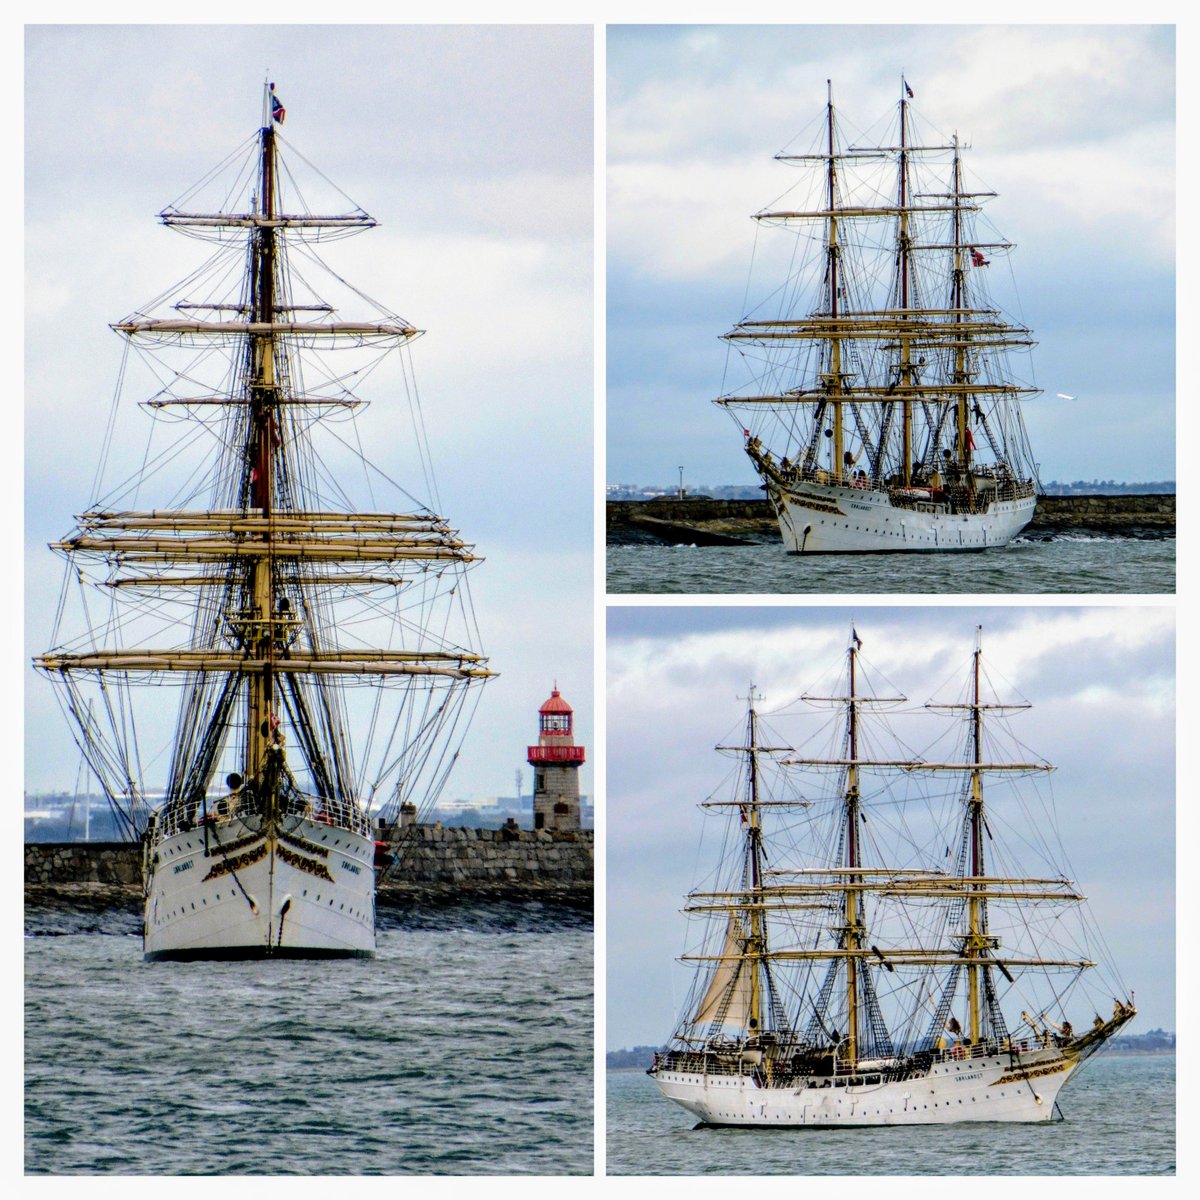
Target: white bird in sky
point(1064, 396)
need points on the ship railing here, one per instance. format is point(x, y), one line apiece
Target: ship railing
point(959, 499)
point(179, 817)
point(985, 1049)
point(168, 822)
point(785, 473)
point(1013, 489)
point(790, 474)
point(695, 1062)
point(918, 494)
point(345, 814)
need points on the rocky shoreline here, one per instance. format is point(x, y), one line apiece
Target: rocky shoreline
point(700, 521)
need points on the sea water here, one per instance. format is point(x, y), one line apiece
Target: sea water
point(1061, 565)
point(464, 1047)
point(1118, 1119)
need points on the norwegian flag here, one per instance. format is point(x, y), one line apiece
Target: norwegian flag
point(278, 112)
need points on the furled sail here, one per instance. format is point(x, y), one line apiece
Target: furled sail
point(729, 999)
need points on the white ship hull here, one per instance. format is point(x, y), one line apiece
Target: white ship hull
point(827, 519)
point(987, 1088)
point(306, 891)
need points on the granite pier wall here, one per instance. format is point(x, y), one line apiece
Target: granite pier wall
point(434, 864)
point(446, 863)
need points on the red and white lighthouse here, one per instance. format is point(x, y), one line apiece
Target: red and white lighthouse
point(556, 761)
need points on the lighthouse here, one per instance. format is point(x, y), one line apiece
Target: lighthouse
point(556, 761)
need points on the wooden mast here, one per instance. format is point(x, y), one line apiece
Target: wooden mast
point(833, 252)
point(958, 303)
point(977, 940)
point(756, 943)
point(852, 897)
point(263, 395)
point(904, 239)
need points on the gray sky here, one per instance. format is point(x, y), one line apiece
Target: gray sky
point(1072, 126)
point(473, 148)
point(1102, 684)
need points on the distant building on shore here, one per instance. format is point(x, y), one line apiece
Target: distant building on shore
point(65, 817)
point(1108, 487)
point(739, 491)
point(58, 817)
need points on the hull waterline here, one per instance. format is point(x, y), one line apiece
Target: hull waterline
point(824, 519)
point(991, 1087)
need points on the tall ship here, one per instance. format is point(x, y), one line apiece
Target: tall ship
point(882, 408)
point(261, 662)
point(871, 951)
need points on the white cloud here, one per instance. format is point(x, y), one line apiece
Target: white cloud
point(1072, 126)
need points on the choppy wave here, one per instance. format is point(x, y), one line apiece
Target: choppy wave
point(463, 1048)
point(1067, 563)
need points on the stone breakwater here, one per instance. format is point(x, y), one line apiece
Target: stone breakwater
point(434, 865)
point(90, 875)
point(704, 522)
point(437, 864)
